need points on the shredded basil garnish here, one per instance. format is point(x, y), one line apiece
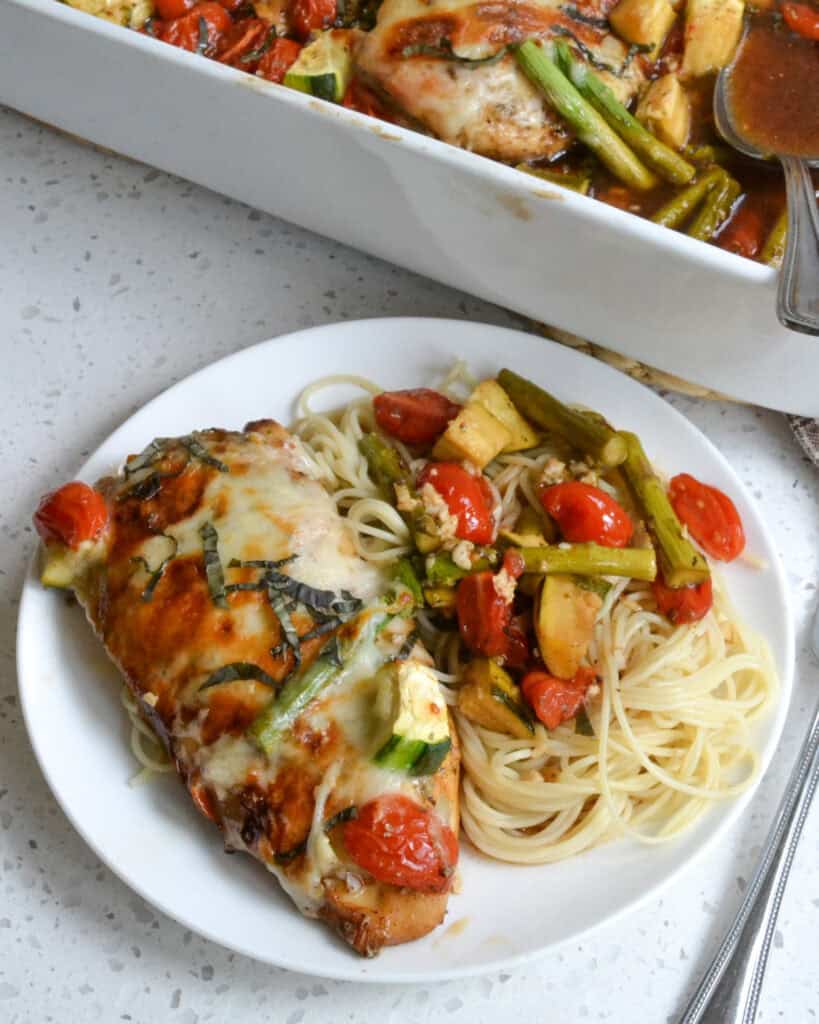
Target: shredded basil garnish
point(198, 450)
point(156, 574)
point(407, 646)
point(248, 585)
point(145, 457)
point(238, 670)
point(327, 626)
point(203, 36)
point(582, 723)
point(252, 55)
point(282, 613)
point(259, 563)
point(585, 19)
point(285, 856)
point(443, 51)
point(213, 564)
point(594, 60)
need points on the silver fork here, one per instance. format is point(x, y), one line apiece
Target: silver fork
point(729, 990)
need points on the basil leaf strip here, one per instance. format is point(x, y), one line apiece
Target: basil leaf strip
point(259, 563)
point(345, 814)
point(585, 19)
point(444, 51)
point(196, 448)
point(203, 36)
point(594, 60)
point(156, 574)
point(213, 564)
point(238, 670)
point(291, 636)
point(252, 55)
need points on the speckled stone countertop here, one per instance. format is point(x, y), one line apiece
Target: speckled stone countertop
point(115, 281)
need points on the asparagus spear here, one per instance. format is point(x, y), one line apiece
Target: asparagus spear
point(680, 562)
point(587, 433)
point(656, 154)
point(388, 469)
point(442, 571)
point(677, 210)
point(590, 560)
point(576, 182)
point(706, 154)
point(589, 126)
point(774, 248)
point(440, 597)
point(716, 209)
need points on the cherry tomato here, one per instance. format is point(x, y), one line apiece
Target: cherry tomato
point(275, 64)
point(586, 513)
point(556, 700)
point(681, 605)
point(306, 16)
point(417, 416)
point(187, 33)
point(169, 9)
point(71, 515)
point(710, 515)
point(513, 563)
point(241, 39)
point(467, 496)
point(743, 235)
point(483, 615)
point(401, 843)
point(359, 97)
point(517, 653)
point(802, 19)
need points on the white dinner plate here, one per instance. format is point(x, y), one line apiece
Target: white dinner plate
point(153, 838)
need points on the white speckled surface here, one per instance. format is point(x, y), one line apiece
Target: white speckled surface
point(115, 281)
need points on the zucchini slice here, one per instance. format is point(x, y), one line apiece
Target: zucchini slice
point(417, 724)
point(489, 697)
point(324, 67)
point(564, 623)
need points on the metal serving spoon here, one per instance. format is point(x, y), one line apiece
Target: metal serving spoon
point(797, 300)
point(729, 990)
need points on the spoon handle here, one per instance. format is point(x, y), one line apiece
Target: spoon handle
point(797, 304)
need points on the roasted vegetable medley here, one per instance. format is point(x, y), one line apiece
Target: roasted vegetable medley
point(609, 99)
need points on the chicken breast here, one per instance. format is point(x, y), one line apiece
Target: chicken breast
point(226, 587)
point(415, 58)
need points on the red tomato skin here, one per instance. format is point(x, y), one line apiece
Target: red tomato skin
point(241, 39)
point(401, 843)
point(70, 515)
point(585, 513)
point(306, 16)
point(483, 615)
point(170, 9)
point(556, 700)
point(683, 605)
point(467, 496)
point(184, 32)
point(802, 19)
point(415, 416)
point(359, 97)
point(275, 64)
point(710, 515)
point(743, 235)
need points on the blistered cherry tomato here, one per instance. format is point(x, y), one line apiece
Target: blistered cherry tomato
point(416, 416)
point(277, 61)
point(306, 16)
point(170, 9)
point(710, 515)
point(188, 33)
point(744, 233)
point(802, 19)
point(682, 605)
point(399, 842)
point(241, 40)
point(483, 615)
point(556, 700)
point(71, 515)
point(467, 496)
point(586, 513)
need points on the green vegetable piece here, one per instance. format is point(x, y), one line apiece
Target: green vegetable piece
point(716, 209)
point(574, 182)
point(443, 572)
point(680, 562)
point(668, 164)
point(591, 560)
point(489, 697)
point(417, 723)
point(405, 573)
point(582, 723)
point(591, 128)
point(564, 623)
point(440, 597)
point(677, 211)
point(586, 433)
point(213, 564)
point(773, 250)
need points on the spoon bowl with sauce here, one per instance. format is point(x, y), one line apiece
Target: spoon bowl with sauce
point(766, 105)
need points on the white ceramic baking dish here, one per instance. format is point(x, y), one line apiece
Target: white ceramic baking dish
point(561, 258)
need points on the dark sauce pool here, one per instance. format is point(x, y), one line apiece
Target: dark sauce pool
point(774, 89)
